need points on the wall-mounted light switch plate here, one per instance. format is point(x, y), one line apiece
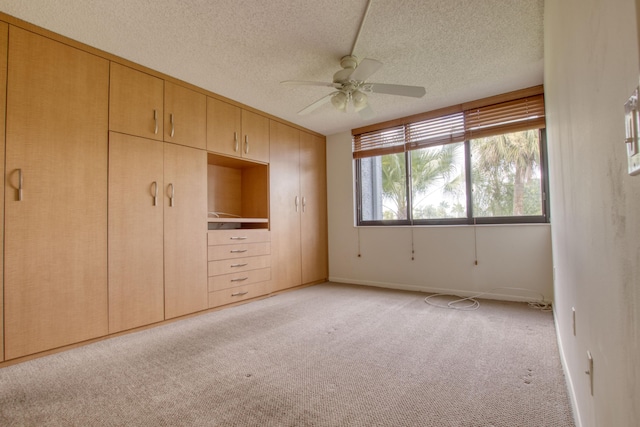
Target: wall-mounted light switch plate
point(632, 130)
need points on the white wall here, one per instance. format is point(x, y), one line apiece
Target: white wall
point(591, 68)
point(508, 256)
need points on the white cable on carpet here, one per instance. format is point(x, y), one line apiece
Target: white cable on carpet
point(474, 304)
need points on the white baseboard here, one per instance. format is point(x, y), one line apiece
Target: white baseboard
point(427, 289)
point(567, 374)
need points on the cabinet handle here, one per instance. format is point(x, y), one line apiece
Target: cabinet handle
point(238, 251)
point(235, 142)
point(172, 194)
point(239, 265)
point(238, 238)
point(246, 144)
point(304, 203)
point(297, 203)
point(19, 185)
point(154, 184)
point(155, 119)
point(173, 127)
point(238, 294)
point(241, 279)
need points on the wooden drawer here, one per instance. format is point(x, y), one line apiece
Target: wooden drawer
point(228, 296)
point(229, 266)
point(230, 237)
point(238, 251)
point(225, 281)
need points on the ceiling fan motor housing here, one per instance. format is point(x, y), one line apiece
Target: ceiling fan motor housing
point(348, 64)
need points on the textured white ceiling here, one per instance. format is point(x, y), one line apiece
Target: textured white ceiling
point(459, 50)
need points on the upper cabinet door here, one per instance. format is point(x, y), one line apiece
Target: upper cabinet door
point(255, 137)
point(56, 195)
point(135, 103)
point(223, 127)
point(185, 116)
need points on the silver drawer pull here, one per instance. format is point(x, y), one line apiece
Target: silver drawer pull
point(239, 265)
point(238, 238)
point(241, 279)
point(238, 294)
point(238, 251)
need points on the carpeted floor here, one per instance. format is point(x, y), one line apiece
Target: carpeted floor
point(327, 355)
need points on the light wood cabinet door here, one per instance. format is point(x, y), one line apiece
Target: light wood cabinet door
point(185, 224)
point(224, 128)
point(255, 137)
point(4, 38)
point(313, 191)
point(136, 275)
point(285, 207)
point(135, 102)
point(185, 116)
point(56, 226)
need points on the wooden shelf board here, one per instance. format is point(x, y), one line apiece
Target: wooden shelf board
point(245, 220)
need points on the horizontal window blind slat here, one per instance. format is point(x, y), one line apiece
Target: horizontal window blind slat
point(504, 117)
point(524, 113)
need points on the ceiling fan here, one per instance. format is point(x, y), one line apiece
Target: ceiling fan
point(352, 87)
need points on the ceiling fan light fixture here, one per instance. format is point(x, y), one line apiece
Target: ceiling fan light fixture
point(359, 100)
point(339, 101)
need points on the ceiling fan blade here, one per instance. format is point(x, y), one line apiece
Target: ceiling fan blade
point(365, 69)
point(389, 89)
point(316, 104)
point(366, 113)
point(305, 83)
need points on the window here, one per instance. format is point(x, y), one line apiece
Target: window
point(483, 164)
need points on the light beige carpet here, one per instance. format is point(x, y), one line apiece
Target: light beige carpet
point(327, 355)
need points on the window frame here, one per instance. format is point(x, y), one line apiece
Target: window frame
point(474, 108)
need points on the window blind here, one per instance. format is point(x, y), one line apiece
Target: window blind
point(505, 117)
point(442, 128)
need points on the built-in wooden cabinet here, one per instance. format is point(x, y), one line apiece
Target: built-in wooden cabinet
point(136, 231)
point(185, 116)
point(236, 132)
point(4, 38)
point(185, 219)
point(136, 101)
point(298, 207)
point(55, 195)
point(130, 199)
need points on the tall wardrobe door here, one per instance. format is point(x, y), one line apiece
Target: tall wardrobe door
point(313, 190)
point(185, 225)
point(4, 32)
point(286, 205)
point(56, 195)
point(136, 291)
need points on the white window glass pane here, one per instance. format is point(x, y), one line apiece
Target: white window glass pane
point(438, 188)
point(506, 175)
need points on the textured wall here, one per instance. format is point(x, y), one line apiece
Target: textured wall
point(591, 68)
point(508, 255)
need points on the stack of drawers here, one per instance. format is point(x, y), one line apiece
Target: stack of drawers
point(239, 265)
